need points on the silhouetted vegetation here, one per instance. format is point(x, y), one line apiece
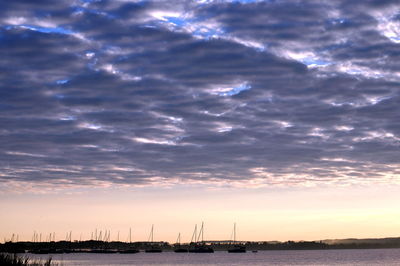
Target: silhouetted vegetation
point(7, 259)
point(93, 246)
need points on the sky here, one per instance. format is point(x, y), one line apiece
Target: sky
point(279, 115)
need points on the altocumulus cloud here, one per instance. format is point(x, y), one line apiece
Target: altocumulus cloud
point(247, 93)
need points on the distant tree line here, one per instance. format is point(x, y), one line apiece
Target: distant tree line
point(102, 246)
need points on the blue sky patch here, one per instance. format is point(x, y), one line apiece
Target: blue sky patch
point(235, 90)
point(62, 81)
point(176, 20)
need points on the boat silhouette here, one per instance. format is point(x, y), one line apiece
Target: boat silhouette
point(129, 250)
point(153, 248)
point(199, 246)
point(177, 246)
point(236, 248)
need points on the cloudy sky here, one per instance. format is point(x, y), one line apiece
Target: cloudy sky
point(152, 102)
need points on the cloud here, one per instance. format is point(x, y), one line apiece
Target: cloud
point(109, 92)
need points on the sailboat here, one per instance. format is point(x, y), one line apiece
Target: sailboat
point(178, 248)
point(236, 247)
point(129, 250)
point(153, 248)
point(197, 247)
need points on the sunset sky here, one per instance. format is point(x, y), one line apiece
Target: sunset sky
point(282, 116)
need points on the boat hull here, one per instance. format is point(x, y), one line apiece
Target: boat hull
point(129, 251)
point(237, 249)
point(181, 250)
point(153, 251)
point(201, 250)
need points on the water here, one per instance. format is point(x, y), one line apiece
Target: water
point(280, 257)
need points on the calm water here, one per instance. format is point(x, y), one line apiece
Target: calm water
point(292, 257)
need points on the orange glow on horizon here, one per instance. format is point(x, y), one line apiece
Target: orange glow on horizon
point(309, 214)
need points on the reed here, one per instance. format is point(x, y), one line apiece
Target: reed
point(7, 259)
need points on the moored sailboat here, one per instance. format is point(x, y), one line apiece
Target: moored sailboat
point(178, 248)
point(129, 250)
point(237, 248)
point(197, 246)
point(153, 248)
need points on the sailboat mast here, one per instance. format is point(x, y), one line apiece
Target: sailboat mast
point(152, 233)
point(130, 235)
point(234, 233)
point(194, 234)
point(202, 232)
